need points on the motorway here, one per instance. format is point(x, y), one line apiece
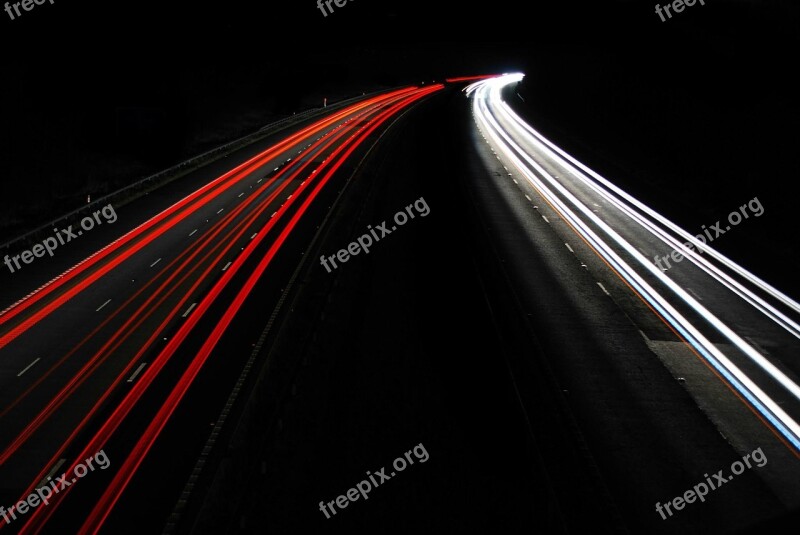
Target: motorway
point(134, 323)
point(560, 379)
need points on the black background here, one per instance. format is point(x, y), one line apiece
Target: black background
point(697, 114)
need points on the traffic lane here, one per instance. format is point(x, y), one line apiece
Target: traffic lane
point(771, 378)
point(184, 206)
point(644, 429)
point(205, 216)
point(726, 305)
point(63, 423)
point(782, 343)
point(22, 283)
point(207, 191)
point(101, 298)
point(259, 243)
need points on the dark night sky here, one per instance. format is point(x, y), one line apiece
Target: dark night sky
point(90, 87)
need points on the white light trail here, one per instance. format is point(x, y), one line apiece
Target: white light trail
point(490, 111)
